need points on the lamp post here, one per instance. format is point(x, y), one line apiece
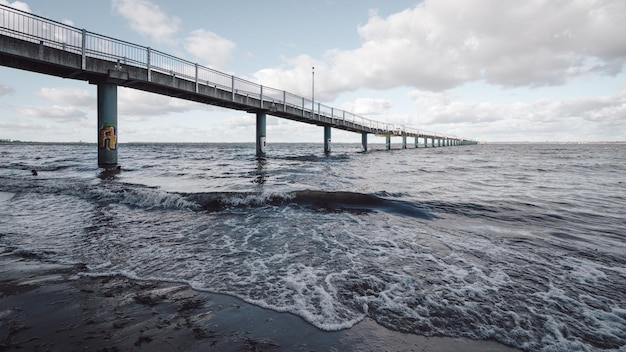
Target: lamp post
point(313, 91)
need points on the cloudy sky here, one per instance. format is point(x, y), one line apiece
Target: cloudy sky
point(493, 70)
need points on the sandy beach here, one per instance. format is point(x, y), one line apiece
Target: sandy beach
point(49, 307)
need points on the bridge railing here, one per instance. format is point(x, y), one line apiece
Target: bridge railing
point(105, 48)
point(33, 28)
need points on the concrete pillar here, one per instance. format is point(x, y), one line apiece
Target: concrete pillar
point(364, 142)
point(327, 147)
point(107, 125)
point(403, 141)
point(432, 140)
point(260, 134)
point(388, 143)
point(416, 142)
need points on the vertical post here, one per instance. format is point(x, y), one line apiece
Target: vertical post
point(260, 134)
point(232, 88)
point(327, 147)
point(107, 125)
point(261, 97)
point(416, 141)
point(403, 141)
point(388, 143)
point(148, 55)
point(196, 78)
point(284, 100)
point(432, 140)
point(364, 141)
point(83, 55)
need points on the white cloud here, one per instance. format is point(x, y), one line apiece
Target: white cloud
point(70, 96)
point(212, 49)
point(590, 118)
point(147, 18)
point(240, 121)
point(441, 44)
point(246, 121)
point(367, 106)
point(5, 90)
point(16, 5)
point(138, 105)
point(297, 78)
point(56, 112)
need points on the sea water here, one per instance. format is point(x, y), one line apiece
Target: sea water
point(521, 243)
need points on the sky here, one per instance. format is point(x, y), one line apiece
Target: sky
point(489, 70)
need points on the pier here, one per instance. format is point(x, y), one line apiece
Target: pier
point(37, 44)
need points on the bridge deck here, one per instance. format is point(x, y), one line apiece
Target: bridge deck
point(81, 55)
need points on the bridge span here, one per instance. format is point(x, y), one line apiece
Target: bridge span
point(33, 43)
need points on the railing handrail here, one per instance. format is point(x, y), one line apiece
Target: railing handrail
point(155, 60)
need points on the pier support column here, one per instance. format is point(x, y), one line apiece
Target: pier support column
point(364, 142)
point(107, 125)
point(261, 122)
point(388, 143)
point(416, 142)
point(403, 141)
point(327, 147)
point(432, 140)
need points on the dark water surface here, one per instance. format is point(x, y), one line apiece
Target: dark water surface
point(525, 244)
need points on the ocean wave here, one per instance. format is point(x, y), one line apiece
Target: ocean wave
point(108, 193)
point(338, 201)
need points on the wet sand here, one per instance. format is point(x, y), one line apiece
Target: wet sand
point(46, 307)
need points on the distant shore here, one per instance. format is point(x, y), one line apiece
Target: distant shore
point(50, 307)
point(10, 141)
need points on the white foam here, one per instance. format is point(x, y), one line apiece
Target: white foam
point(242, 199)
point(5, 196)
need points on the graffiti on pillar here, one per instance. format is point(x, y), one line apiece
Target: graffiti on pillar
point(108, 137)
point(262, 144)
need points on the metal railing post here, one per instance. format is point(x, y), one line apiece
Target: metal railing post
point(232, 88)
point(149, 54)
point(83, 64)
point(196, 78)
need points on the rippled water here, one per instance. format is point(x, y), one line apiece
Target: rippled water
point(525, 244)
